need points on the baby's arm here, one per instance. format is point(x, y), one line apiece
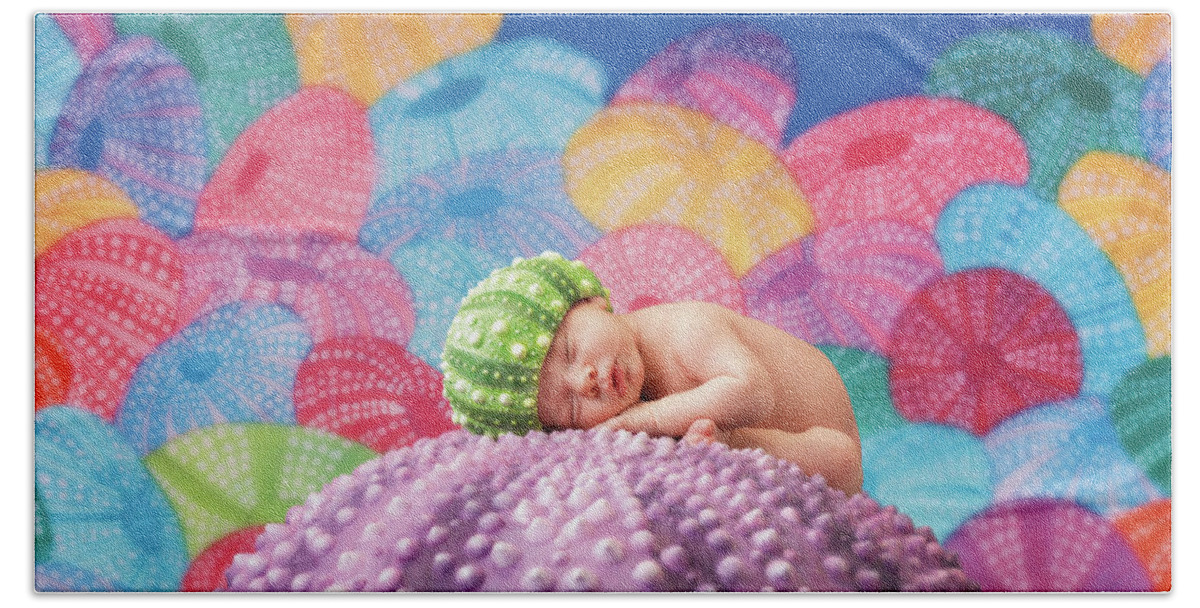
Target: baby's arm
point(734, 389)
point(729, 401)
point(831, 453)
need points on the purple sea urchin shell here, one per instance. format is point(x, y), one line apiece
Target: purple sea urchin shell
point(589, 510)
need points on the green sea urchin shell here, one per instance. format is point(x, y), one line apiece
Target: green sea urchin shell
point(499, 339)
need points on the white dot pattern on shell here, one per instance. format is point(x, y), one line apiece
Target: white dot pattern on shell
point(246, 469)
point(410, 43)
point(147, 111)
point(903, 159)
point(741, 76)
point(1081, 459)
point(846, 285)
point(110, 289)
point(89, 480)
point(306, 165)
point(68, 199)
point(318, 276)
point(371, 391)
point(1124, 204)
point(732, 182)
point(185, 382)
point(646, 265)
point(1003, 545)
point(1079, 101)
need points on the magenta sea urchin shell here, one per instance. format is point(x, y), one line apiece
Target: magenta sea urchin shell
point(589, 511)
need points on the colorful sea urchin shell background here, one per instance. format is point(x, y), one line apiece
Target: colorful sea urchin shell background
point(252, 231)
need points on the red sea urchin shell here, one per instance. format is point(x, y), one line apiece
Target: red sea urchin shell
point(589, 510)
point(980, 345)
point(109, 292)
point(371, 391)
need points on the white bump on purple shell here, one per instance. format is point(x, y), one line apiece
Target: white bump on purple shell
point(347, 561)
point(505, 555)
point(538, 579)
point(469, 578)
point(649, 575)
point(406, 548)
point(609, 550)
point(731, 569)
point(580, 579)
point(782, 575)
point(300, 583)
point(388, 578)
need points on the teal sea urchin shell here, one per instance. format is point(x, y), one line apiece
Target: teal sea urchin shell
point(1064, 97)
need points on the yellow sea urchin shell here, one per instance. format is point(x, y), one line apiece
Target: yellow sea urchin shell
point(1124, 204)
point(1136, 41)
point(366, 55)
point(647, 163)
point(66, 199)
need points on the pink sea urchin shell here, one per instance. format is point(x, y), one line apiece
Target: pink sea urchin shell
point(338, 288)
point(306, 165)
point(649, 264)
point(844, 286)
point(903, 159)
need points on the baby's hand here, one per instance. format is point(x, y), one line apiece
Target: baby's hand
point(703, 432)
point(729, 402)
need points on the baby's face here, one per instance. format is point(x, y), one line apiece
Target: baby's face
point(593, 370)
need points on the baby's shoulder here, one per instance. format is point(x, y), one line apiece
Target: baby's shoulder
point(690, 313)
point(690, 323)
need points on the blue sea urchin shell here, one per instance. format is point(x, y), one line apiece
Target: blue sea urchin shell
point(55, 68)
point(589, 511)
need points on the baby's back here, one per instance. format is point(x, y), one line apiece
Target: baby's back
point(806, 388)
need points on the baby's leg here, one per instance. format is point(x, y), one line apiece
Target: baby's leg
point(831, 453)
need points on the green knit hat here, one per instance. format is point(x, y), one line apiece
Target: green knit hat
point(499, 339)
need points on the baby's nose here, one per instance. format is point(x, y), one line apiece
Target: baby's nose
point(585, 379)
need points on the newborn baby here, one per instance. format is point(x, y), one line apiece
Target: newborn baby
point(536, 345)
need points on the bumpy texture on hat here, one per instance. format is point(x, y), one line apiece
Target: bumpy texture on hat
point(499, 339)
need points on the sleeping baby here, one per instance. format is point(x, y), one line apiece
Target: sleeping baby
point(536, 346)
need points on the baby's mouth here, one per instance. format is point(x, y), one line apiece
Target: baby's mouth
point(617, 380)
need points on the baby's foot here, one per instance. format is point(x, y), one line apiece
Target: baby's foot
point(701, 432)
